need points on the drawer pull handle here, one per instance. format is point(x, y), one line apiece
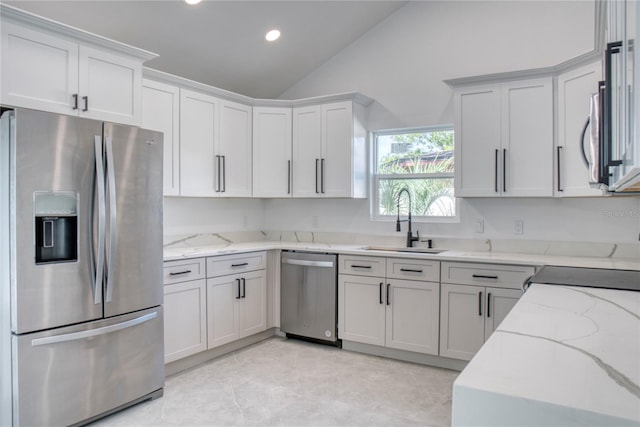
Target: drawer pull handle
point(482, 276)
point(360, 266)
point(242, 264)
point(178, 273)
point(410, 270)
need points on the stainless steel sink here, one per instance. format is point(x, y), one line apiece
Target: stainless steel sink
point(401, 249)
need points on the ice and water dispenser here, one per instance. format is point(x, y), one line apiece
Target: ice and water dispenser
point(56, 226)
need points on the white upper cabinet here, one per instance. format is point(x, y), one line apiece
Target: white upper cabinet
point(198, 139)
point(161, 112)
point(233, 152)
point(572, 154)
point(68, 71)
point(504, 139)
point(329, 151)
point(272, 152)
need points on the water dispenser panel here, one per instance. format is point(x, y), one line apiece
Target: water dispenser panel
point(56, 226)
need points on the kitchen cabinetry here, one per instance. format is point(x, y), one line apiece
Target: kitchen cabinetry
point(58, 69)
point(161, 112)
point(185, 316)
point(234, 150)
point(329, 150)
point(475, 298)
point(272, 152)
point(504, 139)
point(236, 297)
point(575, 88)
point(389, 302)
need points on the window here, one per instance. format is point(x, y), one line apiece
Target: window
point(420, 160)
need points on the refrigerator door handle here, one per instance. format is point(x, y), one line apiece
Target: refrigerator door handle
point(99, 262)
point(74, 336)
point(111, 182)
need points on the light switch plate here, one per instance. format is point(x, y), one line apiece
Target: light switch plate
point(518, 226)
point(479, 226)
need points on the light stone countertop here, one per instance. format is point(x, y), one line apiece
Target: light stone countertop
point(563, 356)
point(185, 252)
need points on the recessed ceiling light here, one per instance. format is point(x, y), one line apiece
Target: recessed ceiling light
point(192, 1)
point(272, 35)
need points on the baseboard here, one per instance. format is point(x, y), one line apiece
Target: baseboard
point(407, 356)
point(204, 356)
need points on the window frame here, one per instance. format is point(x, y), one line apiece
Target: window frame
point(376, 177)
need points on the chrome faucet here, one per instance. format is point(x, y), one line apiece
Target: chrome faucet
point(410, 238)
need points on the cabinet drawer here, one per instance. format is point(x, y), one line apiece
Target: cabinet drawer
point(231, 264)
point(362, 265)
point(498, 275)
point(183, 270)
point(413, 269)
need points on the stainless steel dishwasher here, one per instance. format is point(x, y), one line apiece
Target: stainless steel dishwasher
point(308, 296)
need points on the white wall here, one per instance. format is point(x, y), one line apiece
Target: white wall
point(401, 64)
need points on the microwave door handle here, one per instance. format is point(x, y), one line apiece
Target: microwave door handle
point(582, 141)
point(99, 260)
point(111, 186)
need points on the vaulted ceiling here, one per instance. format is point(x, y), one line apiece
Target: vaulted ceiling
point(222, 43)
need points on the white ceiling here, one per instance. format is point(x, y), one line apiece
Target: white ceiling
point(221, 43)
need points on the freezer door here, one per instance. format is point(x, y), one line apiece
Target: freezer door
point(51, 155)
point(71, 374)
point(134, 219)
point(308, 295)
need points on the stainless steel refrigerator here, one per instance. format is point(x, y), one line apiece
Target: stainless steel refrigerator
point(80, 268)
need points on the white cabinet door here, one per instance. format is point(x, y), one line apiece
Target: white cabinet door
point(198, 138)
point(110, 87)
point(161, 112)
point(478, 141)
point(413, 314)
point(307, 150)
point(574, 93)
point(272, 174)
point(361, 309)
point(39, 71)
point(223, 294)
point(461, 320)
point(253, 303)
point(185, 319)
point(499, 304)
point(527, 138)
point(337, 141)
point(234, 147)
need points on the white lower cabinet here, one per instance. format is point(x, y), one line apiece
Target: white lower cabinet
point(185, 319)
point(394, 313)
point(469, 310)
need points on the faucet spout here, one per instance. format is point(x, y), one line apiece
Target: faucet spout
point(410, 237)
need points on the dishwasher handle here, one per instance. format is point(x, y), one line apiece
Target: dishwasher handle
point(306, 263)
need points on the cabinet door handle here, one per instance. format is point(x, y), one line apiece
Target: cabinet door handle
point(75, 101)
point(288, 176)
point(504, 170)
point(177, 273)
point(86, 103)
point(317, 162)
point(224, 174)
point(381, 285)
point(322, 176)
point(218, 173)
point(582, 135)
point(238, 283)
point(244, 288)
point(480, 304)
point(489, 304)
point(410, 270)
point(559, 149)
point(360, 266)
point(242, 264)
point(388, 286)
point(495, 172)
point(482, 276)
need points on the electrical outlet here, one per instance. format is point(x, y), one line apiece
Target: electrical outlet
point(518, 226)
point(245, 221)
point(314, 221)
point(479, 226)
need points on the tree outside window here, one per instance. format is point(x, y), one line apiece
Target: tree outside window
point(421, 161)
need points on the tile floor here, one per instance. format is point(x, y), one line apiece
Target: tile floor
point(280, 382)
